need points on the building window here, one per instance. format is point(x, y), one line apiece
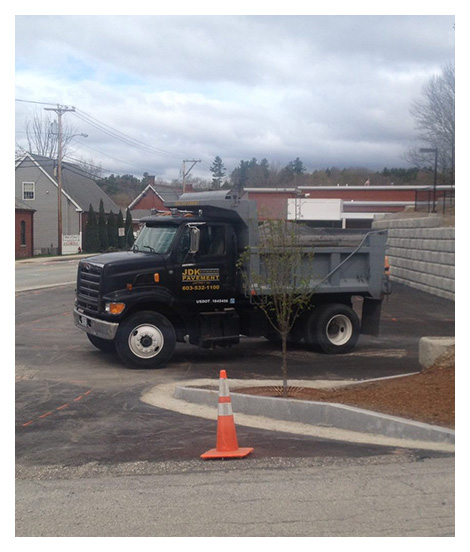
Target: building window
point(23, 233)
point(28, 190)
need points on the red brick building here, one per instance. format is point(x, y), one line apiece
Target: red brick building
point(153, 197)
point(24, 230)
point(340, 206)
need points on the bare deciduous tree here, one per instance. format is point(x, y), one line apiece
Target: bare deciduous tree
point(434, 114)
point(42, 135)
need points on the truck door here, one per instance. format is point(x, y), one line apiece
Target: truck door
point(207, 276)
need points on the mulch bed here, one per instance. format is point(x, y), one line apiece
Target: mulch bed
point(426, 397)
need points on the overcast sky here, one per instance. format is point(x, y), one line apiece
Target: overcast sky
point(151, 91)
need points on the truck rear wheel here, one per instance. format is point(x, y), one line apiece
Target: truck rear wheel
point(145, 340)
point(334, 328)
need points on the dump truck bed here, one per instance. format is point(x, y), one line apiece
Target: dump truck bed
point(335, 261)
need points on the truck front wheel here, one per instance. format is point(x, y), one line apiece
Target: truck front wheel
point(145, 340)
point(334, 328)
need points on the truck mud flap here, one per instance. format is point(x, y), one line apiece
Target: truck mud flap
point(371, 309)
point(220, 328)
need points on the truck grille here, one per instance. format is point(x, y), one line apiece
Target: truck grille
point(88, 286)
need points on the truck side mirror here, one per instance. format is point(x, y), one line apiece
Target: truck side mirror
point(195, 236)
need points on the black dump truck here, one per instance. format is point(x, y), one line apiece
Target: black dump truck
point(182, 282)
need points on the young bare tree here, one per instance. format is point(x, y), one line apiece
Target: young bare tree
point(282, 285)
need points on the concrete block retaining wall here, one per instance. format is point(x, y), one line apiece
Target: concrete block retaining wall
point(421, 253)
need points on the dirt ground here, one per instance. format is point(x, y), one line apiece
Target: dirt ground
point(426, 397)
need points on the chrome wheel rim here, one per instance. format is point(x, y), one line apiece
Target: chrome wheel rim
point(339, 330)
point(146, 341)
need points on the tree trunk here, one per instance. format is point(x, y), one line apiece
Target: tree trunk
point(284, 366)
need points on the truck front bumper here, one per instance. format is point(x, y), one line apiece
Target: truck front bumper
point(100, 328)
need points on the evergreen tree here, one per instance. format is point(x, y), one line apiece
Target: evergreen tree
point(239, 176)
point(102, 228)
point(264, 171)
point(112, 231)
point(91, 243)
point(218, 172)
point(121, 230)
point(129, 229)
point(291, 170)
point(297, 166)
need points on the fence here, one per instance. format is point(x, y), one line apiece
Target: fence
point(435, 199)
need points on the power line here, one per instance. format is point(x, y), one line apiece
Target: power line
point(124, 137)
point(113, 133)
point(86, 146)
point(31, 101)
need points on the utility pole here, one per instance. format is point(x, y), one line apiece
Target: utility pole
point(186, 172)
point(60, 110)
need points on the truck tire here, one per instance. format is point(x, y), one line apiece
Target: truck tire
point(145, 340)
point(104, 345)
point(295, 337)
point(334, 328)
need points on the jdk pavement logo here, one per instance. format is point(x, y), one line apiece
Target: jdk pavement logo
point(197, 275)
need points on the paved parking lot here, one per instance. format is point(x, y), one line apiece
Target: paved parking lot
point(89, 404)
point(92, 459)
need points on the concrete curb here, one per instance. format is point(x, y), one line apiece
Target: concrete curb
point(431, 348)
point(56, 259)
point(199, 398)
point(323, 414)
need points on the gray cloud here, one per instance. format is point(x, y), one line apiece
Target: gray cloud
point(333, 90)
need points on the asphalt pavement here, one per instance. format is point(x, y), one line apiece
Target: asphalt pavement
point(96, 457)
point(56, 364)
point(361, 497)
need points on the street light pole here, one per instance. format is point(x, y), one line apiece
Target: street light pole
point(60, 110)
point(432, 150)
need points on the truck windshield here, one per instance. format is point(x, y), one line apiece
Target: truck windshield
point(155, 239)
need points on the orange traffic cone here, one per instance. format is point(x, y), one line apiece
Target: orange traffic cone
point(227, 443)
point(387, 266)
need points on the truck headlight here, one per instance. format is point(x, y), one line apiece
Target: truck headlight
point(114, 308)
